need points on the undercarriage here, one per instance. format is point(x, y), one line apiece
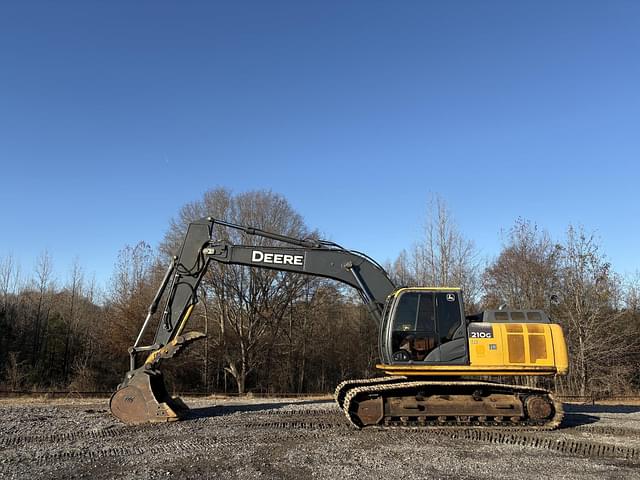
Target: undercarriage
point(395, 402)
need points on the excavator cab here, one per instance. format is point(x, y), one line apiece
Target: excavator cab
point(425, 325)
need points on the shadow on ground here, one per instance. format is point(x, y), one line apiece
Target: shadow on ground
point(601, 408)
point(220, 410)
point(576, 415)
point(572, 420)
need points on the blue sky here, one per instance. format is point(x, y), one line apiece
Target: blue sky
point(115, 114)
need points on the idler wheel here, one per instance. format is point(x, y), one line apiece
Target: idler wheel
point(538, 408)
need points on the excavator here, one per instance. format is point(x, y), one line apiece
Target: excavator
point(442, 368)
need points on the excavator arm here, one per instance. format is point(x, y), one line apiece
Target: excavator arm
point(142, 396)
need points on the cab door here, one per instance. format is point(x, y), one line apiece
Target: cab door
point(428, 327)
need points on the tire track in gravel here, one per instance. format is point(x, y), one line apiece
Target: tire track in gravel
point(116, 431)
point(192, 446)
point(551, 442)
point(609, 430)
point(316, 412)
point(562, 445)
point(108, 432)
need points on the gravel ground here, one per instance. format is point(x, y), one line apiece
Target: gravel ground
point(292, 439)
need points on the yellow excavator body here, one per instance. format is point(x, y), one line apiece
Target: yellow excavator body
point(511, 349)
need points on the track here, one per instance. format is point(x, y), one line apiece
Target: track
point(343, 388)
point(411, 389)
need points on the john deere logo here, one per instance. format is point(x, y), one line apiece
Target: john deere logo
point(278, 258)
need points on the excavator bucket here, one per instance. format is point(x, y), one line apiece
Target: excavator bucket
point(144, 399)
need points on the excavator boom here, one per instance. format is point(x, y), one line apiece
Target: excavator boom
point(142, 396)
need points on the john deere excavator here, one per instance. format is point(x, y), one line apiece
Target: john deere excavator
point(429, 351)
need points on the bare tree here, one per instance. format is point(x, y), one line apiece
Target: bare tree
point(43, 286)
point(525, 273)
point(250, 304)
point(14, 372)
point(74, 290)
point(444, 257)
point(400, 271)
point(9, 315)
point(588, 293)
point(9, 279)
point(632, 293)
point(631, 321)
point(133, 285)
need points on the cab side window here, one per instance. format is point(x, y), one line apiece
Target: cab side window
point(448, 316)
point(406, 312)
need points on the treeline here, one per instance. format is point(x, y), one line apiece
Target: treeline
point(272, 332)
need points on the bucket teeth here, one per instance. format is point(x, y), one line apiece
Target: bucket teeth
point(143, 398)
